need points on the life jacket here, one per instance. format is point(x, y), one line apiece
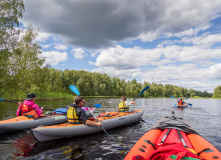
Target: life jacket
point(123, 107)
point(24, 109)
point(173, 151)
point(31, 114)
point(170, 146)
point(180, 102)
point(72, 116)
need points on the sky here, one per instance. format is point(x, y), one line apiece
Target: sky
point(161, 41)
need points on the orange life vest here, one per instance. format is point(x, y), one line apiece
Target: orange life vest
point(31, 114)
point(25, 109)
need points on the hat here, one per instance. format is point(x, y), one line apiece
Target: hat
point(30, 96)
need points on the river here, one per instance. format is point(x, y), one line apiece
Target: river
point(203, 116)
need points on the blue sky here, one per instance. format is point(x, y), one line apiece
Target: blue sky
point(161, 41)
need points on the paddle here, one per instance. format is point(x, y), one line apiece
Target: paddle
point(17, 103)
point(76, 91)
point(7, 101)
point(141, 92)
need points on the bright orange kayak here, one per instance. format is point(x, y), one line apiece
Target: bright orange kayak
point(173, 138)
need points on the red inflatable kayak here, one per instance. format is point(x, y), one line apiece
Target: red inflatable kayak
point(173, 138)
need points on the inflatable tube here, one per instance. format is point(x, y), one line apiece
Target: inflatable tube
point(170, 137)
point(67, 130)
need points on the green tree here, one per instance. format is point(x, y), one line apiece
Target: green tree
point(217, 92)
point(10, 12)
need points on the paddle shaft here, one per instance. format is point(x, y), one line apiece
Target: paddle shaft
point(96, 119)
point(141, 92)
point(182, 140)
point(8, 101)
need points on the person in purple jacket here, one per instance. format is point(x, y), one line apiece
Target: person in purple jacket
point(28, 105)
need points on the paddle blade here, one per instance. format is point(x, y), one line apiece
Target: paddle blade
point(2, 99)
point(97, 105)
point(144, 90)
point(172, 96)
point(75, 90)
point(189, 104)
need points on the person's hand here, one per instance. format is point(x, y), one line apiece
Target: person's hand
point(132, 102)
point(19, 103)
point(99, 123)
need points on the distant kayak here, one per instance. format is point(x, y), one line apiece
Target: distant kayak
point(182, 106)
point(172, 138)
point(66, 130)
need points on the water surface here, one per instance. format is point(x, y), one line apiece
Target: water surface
point(203, 116)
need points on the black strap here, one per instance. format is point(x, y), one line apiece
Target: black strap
point(205, 150)
point(148, 141)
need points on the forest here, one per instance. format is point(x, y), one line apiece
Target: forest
point(23, 72)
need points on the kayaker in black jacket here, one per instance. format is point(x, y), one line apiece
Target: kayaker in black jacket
point(76, 115)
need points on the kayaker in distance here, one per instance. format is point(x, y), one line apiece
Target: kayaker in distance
point(28, 105)
point(76, 115)
point(124, 105)
point(181, 102)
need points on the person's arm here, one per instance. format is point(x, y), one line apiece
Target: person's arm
point(88, 122)
point(83, 118)
point(37, 109)
point(129, 103)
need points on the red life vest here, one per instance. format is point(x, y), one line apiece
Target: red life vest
point(25, 109)
point(165, 152)
point(180, 102)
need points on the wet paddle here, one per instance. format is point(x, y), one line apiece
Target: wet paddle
point(76, 91)
point(141, 92)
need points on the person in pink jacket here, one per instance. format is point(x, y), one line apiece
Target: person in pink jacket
point(28, 105)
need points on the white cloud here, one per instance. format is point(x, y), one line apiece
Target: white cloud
point(42, 37)
point(78, 53)
point(54, 57)
point(91, 63)
point(127, 58)
point(60, 47)
point(46, 46)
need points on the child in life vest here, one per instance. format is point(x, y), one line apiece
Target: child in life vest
point(28, 105)
point(124, 105)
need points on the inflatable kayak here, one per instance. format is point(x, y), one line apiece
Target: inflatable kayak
point(24, 122)
point(182, 106)
point(172, 138)
point(66, 130)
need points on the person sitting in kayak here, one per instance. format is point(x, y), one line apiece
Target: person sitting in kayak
point(181, 102)
point(76, 115)
point(124, 105)
point(28, 105)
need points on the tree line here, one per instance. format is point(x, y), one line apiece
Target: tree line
point(23, 72)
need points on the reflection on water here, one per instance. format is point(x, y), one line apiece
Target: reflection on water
point(203, 116)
